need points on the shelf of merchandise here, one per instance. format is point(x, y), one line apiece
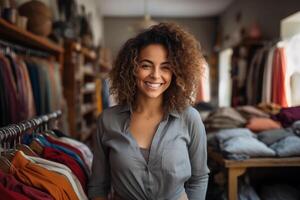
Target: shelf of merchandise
point(81, 100)
point(16, 35)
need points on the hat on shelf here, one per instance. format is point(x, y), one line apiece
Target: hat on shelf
point(39, 17)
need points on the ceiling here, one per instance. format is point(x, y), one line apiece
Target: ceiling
point(163, 8)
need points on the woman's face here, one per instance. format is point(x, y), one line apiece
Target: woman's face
point(154, 72)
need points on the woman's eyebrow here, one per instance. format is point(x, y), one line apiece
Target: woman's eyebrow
point(165, 63)
point(146, 60)
point(149, 61)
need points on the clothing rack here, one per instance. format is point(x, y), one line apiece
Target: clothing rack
point(16, 129)
point(22, 49)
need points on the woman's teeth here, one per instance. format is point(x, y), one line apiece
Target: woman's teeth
point(153, 85)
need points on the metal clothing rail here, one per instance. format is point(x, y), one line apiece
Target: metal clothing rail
point(22, 49)
point(16, 129)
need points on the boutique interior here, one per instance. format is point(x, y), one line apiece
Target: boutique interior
point(55, 60)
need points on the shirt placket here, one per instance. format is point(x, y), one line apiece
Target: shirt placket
point(149, 166)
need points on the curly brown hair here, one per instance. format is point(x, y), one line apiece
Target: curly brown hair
point(184, 54)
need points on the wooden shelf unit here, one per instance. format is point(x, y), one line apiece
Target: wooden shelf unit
point(88, 91)
point(80, 70)
point(88, 109)
point(16, 35)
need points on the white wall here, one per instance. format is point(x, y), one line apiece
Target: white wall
point(97, 20)
point(225, 83)
point(267, 13)
point(117, 30)
point(290, 26)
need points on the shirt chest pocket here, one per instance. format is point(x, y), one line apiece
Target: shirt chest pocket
point(175, 160)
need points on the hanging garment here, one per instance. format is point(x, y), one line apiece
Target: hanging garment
point(255, 76)
point(11, 195)
point(9, 182)
point(11, 92)
point(54, 102)
point(267, 79)
point(258, 76)
point(278, 81)
point(203, 92)
point(36, 86)
point(76, 157)
point(20, 86)
point(84, 149)
point(67, 146)
point(250, 84)
point(60, 157)
point(58, 84)
point(33, 175)
point(76, 191)
point(4, 107)
point(27, 88)
point(44, 86)
point(72, 180)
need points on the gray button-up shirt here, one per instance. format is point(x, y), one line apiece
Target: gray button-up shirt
point(177, 160)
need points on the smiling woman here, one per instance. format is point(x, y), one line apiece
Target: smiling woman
point(153, 144)
point(184, 58)
point(154, 72)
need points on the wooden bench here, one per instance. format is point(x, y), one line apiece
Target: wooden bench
point(237, 168)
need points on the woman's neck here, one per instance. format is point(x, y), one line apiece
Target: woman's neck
point(149, 107)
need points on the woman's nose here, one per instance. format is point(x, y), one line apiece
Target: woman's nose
point(155, 73)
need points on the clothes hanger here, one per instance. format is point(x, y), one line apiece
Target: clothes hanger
point(11, 143)
point(5, 164)
point(45, 127)
point(36, 146)
point(32, 127)
point(23, 147)
point(38, 122)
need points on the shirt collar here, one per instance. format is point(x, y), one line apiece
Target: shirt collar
point(128, 108)
point(174, 113)
point(125, 108)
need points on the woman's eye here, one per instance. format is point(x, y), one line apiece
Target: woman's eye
point(166, 67)
point(144, 66)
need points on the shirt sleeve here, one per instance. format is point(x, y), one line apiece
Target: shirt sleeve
point(99, 182)
point(196, 186)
